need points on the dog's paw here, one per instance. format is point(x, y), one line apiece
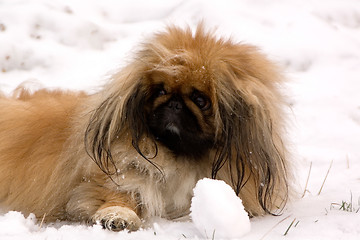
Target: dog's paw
point(117, 218)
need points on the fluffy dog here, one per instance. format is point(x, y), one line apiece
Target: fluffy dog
point(189, 106)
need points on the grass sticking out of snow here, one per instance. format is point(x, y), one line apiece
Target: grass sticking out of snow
point(287, 230)
point(347, 206)
point(325, 178)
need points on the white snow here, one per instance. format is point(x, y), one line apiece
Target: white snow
point(217, 212)
point(77, 44)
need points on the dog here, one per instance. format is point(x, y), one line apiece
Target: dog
point(189, 105)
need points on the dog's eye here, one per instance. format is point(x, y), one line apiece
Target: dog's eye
point(202, 102)
point(160, 92)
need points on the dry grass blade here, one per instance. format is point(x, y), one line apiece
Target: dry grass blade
point(213, 235)
point(42, 221)
point(287, 230)
point(325, 178)
point(307, 180)
point(274, 227)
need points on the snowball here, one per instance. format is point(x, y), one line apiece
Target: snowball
point(217, 211)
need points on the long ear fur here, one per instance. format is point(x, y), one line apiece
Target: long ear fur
point(101, 131)
point(133, 117)
point(119, 113)
point(250, 149)
point(120, 116)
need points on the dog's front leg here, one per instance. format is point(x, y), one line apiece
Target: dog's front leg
point(97, 204)
point(117, 218)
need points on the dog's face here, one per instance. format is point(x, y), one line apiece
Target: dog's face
point(179, 112)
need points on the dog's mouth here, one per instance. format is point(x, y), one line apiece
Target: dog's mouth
point(173, 129)
point(182, 142)
point(170, 135)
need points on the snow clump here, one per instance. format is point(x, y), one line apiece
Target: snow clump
point(217, 212)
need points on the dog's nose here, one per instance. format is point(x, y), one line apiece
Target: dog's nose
point(175, 105)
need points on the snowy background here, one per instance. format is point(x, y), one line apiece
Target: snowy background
point(78, 44)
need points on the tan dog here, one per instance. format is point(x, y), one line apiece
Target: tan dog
point(189, 106)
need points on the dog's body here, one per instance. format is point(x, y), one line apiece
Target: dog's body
point(104, 158)
point(34, 131)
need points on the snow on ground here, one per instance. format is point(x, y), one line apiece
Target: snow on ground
point(77, 44)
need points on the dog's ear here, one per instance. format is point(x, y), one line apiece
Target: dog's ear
point(134, 118)
point(121, 113)
point(250, 153)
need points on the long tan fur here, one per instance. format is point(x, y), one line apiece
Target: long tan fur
point(92, 158)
